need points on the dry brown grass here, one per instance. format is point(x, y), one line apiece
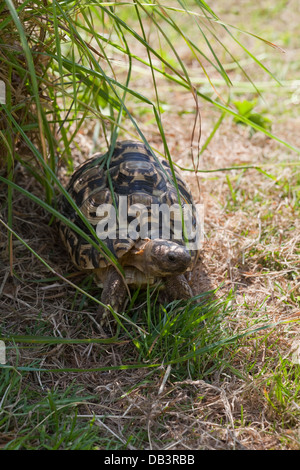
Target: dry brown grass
point(249, 246)
point(191, 414)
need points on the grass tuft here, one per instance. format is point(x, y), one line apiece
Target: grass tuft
point(223, 373)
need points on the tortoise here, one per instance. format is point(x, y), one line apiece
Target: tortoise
point(137, 176)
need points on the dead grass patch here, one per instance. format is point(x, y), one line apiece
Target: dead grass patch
point(251, 248)
point(243, 250)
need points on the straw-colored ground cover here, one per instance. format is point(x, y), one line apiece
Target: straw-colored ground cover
point(168, 383)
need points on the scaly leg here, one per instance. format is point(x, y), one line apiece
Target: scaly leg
point(178, 288)
point(113, 294)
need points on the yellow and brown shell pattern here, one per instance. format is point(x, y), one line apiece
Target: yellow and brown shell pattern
point(132, 172)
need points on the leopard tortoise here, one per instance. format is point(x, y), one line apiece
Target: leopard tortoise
point(141, 179)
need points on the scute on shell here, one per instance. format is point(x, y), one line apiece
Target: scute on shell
point(133, 172)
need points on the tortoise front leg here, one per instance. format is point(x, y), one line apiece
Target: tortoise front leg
point(113, 294)
point(178, 288)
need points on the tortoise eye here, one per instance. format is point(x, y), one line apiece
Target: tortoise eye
point(172, 256)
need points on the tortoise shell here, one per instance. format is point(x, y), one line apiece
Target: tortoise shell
point(132, 172)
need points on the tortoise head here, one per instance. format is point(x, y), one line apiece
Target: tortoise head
point(165, 258)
